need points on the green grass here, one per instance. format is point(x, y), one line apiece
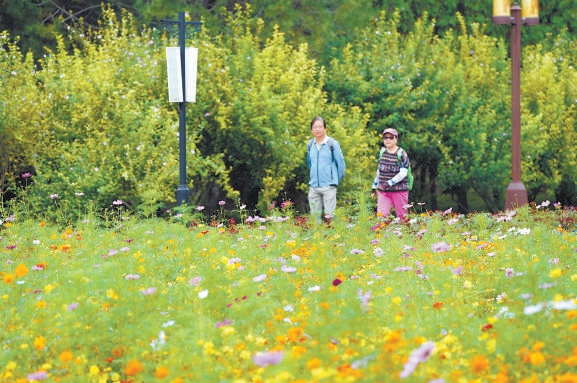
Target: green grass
point(279, 300)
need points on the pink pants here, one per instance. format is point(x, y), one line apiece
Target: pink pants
point(398, 200)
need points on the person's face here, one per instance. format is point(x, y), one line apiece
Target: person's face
point(389, 140)
point(318, 129)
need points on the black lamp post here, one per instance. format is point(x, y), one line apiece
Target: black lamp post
point(503, 14)
point(182, 193)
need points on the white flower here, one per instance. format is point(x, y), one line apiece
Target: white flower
point(203, 294)
point(259, 278)
point(314, 288)
point(530, 310)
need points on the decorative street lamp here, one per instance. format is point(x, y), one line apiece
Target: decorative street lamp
point(181, 69)
point(504, 14)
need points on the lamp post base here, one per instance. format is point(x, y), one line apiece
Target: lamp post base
point(182, 195)
point(516, 195)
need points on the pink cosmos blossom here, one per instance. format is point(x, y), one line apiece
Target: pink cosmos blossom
point(440, 247)
point(419, 355)
point(72, 306)
point(149, 291)
point(365, 297)
point(458, 270)
point(53, 196)
point(195, 281)
point(509, 272)
point(39, 375)
point(225, 322)
point(263, 359)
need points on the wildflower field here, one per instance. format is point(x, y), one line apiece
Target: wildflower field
point(441, 298)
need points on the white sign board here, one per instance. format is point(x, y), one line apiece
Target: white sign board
point(173, 66)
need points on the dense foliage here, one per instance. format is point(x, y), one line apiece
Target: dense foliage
point(325, 25)
point(92, 119)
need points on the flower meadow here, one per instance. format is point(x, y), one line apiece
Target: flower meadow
point(440, 298)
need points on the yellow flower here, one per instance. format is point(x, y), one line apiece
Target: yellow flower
point(298, 351)
point(41, 304)
point(40, 343)
point(555, 273)
point(536, 358)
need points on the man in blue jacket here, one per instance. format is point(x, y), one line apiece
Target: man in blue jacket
point(327, 168)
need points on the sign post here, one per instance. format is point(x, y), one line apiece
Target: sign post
point(182, 89)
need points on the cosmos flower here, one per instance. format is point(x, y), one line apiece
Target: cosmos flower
point(39, 375)
point(149, 291)
point(263, 359)
point(419, 355)
point(440, 247)
point(259, 278)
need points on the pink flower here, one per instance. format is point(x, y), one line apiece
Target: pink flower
point(39, 375)
point(365, 297)
point(195, 281)
point(263, 359)
point(440, 247)
point(458, 270)
point(417, 356)
point(509, 272)
point(149, 291)
point(53, 196)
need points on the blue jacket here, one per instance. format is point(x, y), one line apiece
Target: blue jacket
point(327, 166)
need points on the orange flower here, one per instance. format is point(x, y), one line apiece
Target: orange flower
point(66, 356)
point(325, 305)
point(117, 352)
point(313, 364)
point(161, 372)
point(133, 368)
point(295, 333)
point(438, 305)
point(21, 270)
point(479, 364)
point(8, 278)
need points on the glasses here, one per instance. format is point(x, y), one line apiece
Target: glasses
point(389, 137)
